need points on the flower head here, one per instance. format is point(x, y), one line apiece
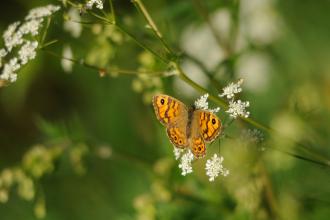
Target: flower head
point(43, 11)
point(214, 167)
point(238, 108)
point(15, 36)
point(202, 103)
point(9, 70)
point(98, 3)
point(185, 164)
point(28, 51)
point(177, 152)
point(12, 37)
point(232, 89)
point(31, 27)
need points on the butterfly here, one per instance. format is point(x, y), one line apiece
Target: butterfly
point(186, 127)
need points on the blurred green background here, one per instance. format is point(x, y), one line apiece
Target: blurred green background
point(127, 168)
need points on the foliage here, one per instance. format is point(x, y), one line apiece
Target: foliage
point(79, 139)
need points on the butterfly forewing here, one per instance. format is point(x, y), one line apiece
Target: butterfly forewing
point(169, 110)
point(173, 114)
point(209, 125)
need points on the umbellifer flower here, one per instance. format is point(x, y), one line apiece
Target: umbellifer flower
point(28, 51)
point(18, 36)
point(214, 167)
point(177, 152)
point(98, 3)
point(202, 103)
point(185, 164)
point(238, 108)
point(232, 89)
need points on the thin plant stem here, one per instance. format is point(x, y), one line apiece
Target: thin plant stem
point(44, 34)
point(141, 8)
point(123, 30)
point(113, 70)
point(48, 44)
point(112, 11)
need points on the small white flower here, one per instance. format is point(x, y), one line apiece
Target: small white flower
point(214, 167)
point(215, 110)
point(90, 4)
point(67, 54)
point(9, 69)
point(43, 11)
point(238, 108)
point(202, 103)
point(31, 26)
point(28, 51)
point(185, 164)
point(11, 37)
point(177, 152)
point(72, 25)
point(232, 89)
point(11, 29)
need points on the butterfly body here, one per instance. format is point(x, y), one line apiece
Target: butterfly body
point(186, 127)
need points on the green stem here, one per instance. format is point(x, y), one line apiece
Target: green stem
point(123, 30)
point(109, 70)
point(112, 11)
point(44, 34)
point(48, 44)
point(141, 8)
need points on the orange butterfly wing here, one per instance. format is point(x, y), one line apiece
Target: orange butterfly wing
point(173, 114)
point(209, 125)
point(205, 127)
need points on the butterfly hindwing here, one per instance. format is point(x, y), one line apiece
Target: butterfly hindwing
point(198, 147)
point(197, 144)
point(178, 136)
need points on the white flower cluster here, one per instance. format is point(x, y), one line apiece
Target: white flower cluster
point(19, 49)
point(232, 89)
point(185, 164)
point(214, 167)
point(91, 3)
point(177, 152)
point(202, 103)
point(236, 107)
